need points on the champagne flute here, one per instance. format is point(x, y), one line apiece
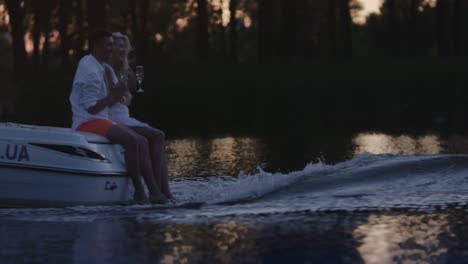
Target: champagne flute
point(139, 75)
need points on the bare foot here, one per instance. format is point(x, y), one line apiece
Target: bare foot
point(158, 198)
point(140, 198)
point(172, 200)
point(169, 196)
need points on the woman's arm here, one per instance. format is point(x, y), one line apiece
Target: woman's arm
point(108, 78)
point(127, 98)
point(131, 84)
point(132, 80)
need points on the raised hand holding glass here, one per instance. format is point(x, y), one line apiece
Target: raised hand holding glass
point(139, 75)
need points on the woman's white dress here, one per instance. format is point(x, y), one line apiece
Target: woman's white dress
point(119, 111)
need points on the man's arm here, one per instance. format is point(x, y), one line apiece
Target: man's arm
point(90, 95)
point(102, 104)
point(115, 95)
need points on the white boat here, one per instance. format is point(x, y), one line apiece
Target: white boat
point(53, 167)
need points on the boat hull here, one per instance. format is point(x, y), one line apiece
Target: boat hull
point(41, 188)
point(51, 167)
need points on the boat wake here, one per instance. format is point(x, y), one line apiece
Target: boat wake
point(367, 182)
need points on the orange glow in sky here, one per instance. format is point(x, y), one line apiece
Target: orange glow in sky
point(368, 7)
point(373, 6)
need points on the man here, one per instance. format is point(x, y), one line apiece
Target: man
point(90, 101)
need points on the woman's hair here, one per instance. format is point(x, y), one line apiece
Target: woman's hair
point(118, 35)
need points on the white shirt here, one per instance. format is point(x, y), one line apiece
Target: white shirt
point(88, 87)
point(119, 111)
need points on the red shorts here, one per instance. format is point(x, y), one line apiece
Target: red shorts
point(97, 126)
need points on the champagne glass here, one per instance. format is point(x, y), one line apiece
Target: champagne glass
point(139, 75)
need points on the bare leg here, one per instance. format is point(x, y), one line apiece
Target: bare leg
point(156, 139)
point(121, 135)
point(147, 171)
point(165, 178)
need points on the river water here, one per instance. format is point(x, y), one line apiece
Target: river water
point(362, 198)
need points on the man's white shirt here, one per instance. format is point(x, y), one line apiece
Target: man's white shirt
point(88, 87)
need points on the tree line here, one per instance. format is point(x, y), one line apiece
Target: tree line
point(255, 31)
point(287, 51)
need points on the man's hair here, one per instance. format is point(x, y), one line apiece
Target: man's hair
point(97, 35)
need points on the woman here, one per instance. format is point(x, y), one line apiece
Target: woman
point(119, 69)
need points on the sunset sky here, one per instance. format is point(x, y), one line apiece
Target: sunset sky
point(373, 6)
point(370, 6)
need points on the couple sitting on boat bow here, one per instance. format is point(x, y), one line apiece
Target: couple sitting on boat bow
point(99, 99)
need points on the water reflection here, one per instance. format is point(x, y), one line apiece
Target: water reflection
point(222, 153)
point(222, 242)
point(378, 143)
point(325, 237)
point(193, 157)
point(234, 237)
point(402, 238)
point(183, 156)
point(218, 156)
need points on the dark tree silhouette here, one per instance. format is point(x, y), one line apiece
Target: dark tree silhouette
point(332, 28)
point(233, 31)
point(303, 27)
point(288, 40)
point(413, 27)
point(80, 29)
point(96, 14)
point(265, 30)
point(443, 30)
point(202, 31)
point(346, 28)
point(139, 18)
point(17, 32)
point(45, 25)
point(38, 8)
point(339, 29)
point(134, 20)
point(457, 27)
point(393, 28)
point(144, 36)
point(65, 7)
